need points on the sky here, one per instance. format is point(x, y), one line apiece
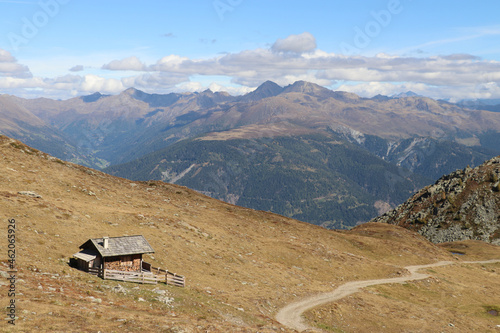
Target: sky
point(65, 48)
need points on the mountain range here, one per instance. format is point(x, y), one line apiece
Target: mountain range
point(362, 156)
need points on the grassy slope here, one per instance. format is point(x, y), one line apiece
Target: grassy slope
point(455, 298)
point(241, 265)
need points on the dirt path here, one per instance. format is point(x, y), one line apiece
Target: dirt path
point(291, 315)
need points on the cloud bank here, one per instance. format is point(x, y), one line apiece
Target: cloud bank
point(296, 57)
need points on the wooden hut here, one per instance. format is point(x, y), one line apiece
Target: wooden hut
point(120, 258)
point(114, 253)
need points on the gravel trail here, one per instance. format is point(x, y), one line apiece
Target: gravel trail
point(291, 315)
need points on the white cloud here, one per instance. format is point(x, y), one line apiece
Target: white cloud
point(77, 68)
point(5, 56)
point(302, 43)
point(93, 83)
point(454, 94)
point(10, 68)
point(171, 63)
point(154, 82)
point(189, 86)
point(229, 89)
point(128, 64)
point(66, 79)
point(9, 83)
point(371, 89)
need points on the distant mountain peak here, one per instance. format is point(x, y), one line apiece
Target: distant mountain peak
point(409, 93)
point(132, 92)
point(306, 88)
point(269, 84)
point(266, 89)
point(136, 94)
point(207, 92)
point(380, 98)
point(92, 97)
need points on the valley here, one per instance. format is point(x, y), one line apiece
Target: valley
point(318, 178)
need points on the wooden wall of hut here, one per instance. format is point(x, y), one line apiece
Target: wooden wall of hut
point(129, 263)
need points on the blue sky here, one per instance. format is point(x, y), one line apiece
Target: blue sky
point(66, 48)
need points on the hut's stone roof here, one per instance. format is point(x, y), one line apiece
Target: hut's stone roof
point(119, 246)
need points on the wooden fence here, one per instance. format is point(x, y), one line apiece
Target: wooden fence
point(174, 279)
point(95, 271)
point(149, 274)
point(138, 277)
point(170, 278)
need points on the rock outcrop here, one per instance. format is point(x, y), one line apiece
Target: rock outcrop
point(462, 205)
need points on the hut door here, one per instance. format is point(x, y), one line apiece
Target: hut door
point(97, 262)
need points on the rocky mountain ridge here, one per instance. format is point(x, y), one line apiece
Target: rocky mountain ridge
point(462, 205)
point(109, 129)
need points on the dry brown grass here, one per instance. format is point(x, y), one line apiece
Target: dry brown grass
point(241, 265)
point(456, 298)
point(472, 250)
